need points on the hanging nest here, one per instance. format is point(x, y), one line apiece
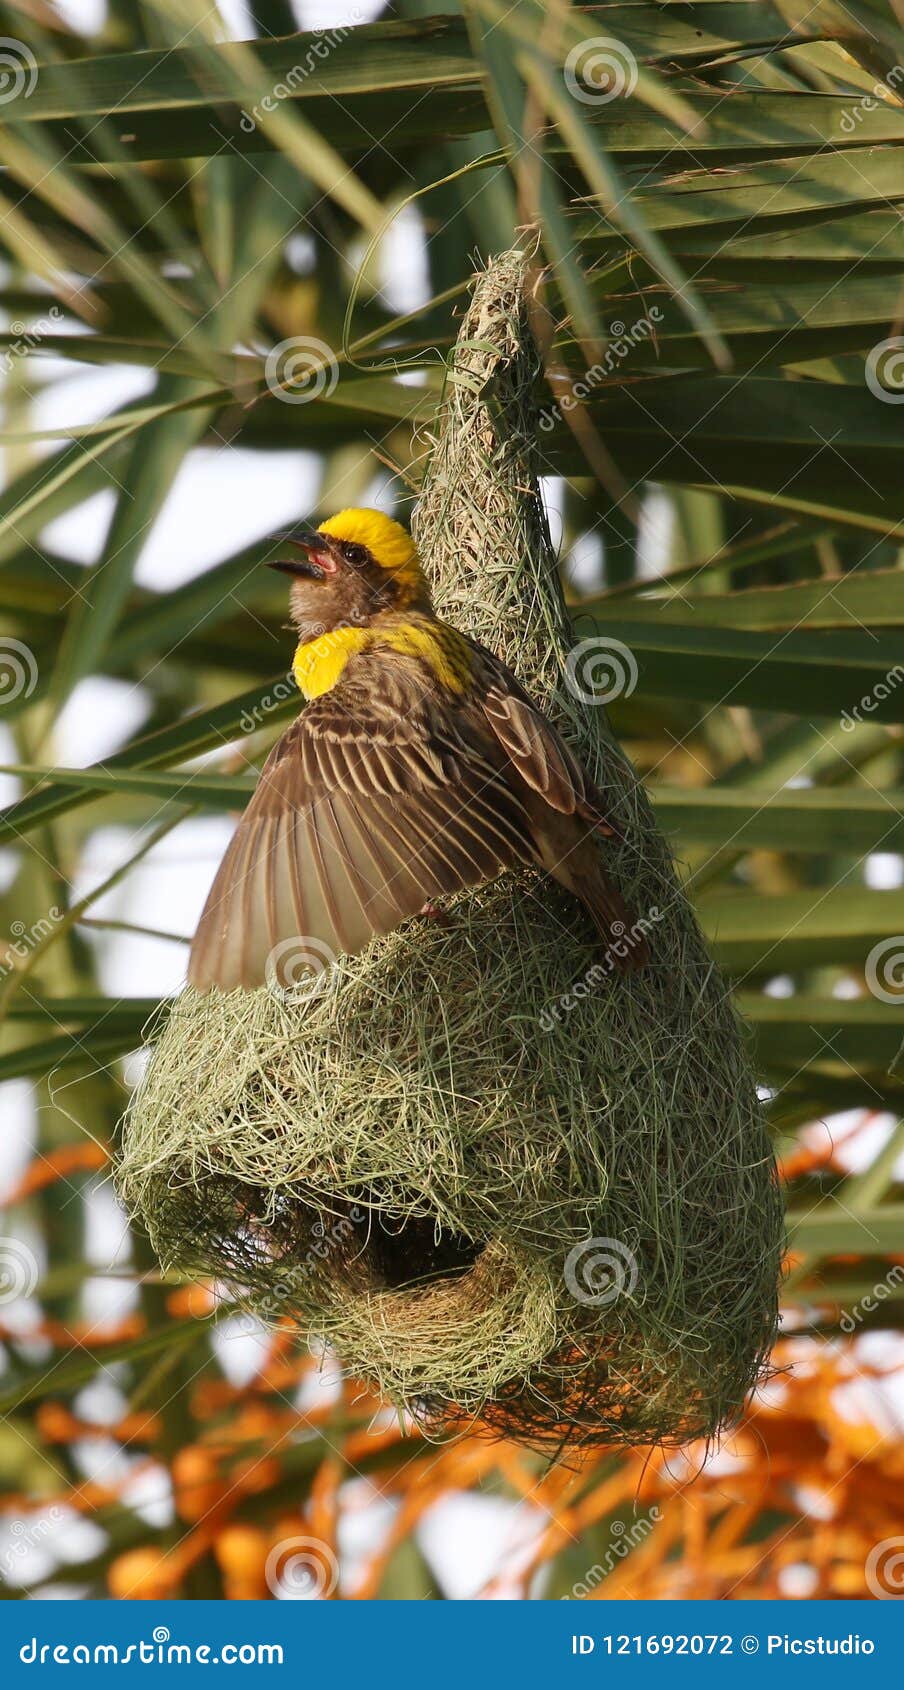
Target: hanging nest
point(505, 1181)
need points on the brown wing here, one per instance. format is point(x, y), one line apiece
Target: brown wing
point(370, 805)
point(536, 750)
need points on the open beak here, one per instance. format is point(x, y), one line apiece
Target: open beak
point(314, 562)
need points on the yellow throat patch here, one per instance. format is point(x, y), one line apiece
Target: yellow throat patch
point(318, 664)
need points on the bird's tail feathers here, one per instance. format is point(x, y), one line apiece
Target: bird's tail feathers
point(623, 935)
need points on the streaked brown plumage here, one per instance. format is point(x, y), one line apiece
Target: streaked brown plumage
point(419, 767)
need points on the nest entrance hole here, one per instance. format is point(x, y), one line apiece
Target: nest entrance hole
point(389, 1251)
point(416, 1251)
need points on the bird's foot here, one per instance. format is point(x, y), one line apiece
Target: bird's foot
point(433, 912)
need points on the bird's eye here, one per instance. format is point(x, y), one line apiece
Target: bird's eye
point(353, 553)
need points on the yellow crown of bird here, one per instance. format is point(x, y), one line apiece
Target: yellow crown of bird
point(390, 545)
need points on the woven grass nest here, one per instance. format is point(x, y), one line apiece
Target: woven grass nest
point(506, 1183)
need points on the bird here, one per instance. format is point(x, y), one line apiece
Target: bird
point(418, 767)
